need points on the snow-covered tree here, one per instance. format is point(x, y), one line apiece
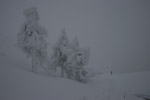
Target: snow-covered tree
point(75, 64)
point(31, 38)
point(70, 58)
point(60, 52)
point(82, 60)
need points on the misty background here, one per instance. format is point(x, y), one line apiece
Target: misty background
point(117, 31)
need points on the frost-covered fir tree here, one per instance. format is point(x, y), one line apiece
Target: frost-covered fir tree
point(31, 38)
point(60, 52)
point(71, 59)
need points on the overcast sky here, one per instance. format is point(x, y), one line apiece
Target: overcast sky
point(117, 31)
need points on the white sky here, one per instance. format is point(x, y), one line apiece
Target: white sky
point(117, 31)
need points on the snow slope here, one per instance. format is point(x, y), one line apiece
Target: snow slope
point(122, 86)
point(19, 84)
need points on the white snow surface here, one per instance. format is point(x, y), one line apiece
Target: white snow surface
point(19, 84)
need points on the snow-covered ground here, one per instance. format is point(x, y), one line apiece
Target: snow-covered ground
point(19, 84)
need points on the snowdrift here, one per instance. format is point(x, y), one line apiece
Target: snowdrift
point(19, 84)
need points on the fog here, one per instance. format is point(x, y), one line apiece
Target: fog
point(117, 31)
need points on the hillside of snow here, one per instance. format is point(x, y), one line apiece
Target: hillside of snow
point(20, 84)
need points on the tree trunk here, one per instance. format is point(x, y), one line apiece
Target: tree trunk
point(62, 72)
point(73, 73)
point(34, 69)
